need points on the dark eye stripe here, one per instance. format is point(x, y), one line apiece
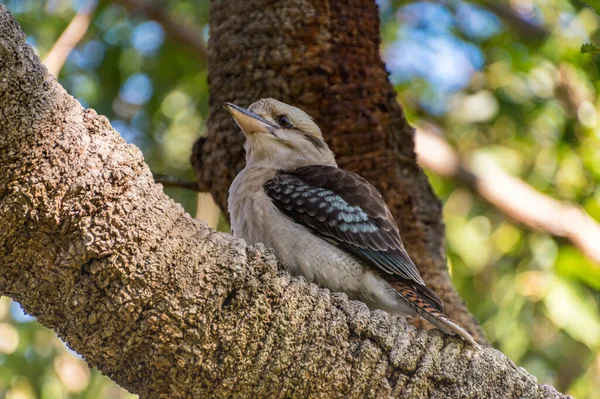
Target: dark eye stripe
point(318, 143)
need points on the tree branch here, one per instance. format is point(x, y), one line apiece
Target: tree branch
point(167, 308)
point(71, 36)
point(174, 181)
point(515, 198)
point(515, 21)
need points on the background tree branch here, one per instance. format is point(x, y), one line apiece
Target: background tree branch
point(517, 23)
point(524, 204)
point(174, 181)
point(74, 32)
point(168, 308)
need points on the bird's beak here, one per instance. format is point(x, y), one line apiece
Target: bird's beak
point(249, 122)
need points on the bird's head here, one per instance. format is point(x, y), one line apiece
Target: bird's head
point(280, 136)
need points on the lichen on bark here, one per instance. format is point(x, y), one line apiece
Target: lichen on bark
point(168, 308)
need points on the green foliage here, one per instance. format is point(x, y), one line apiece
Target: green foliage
point(531, 107)
point(590, 48)
point(527, 104)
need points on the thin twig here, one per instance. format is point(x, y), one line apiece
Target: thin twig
point(71, 36)
point(515, 198)
point(174, 181)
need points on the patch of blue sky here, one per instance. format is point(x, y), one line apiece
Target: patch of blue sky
point(18, 314)
point(431, 17)
point(88, 56)
point(29, 39)
point(572, 26)
point(84, 5)
point(533, 14)
point(147, 37)
point(73, 60)
point(141, 121)
point(137, 89)
point(206, 32)
point(20, 6)
point(83, 102)
point(444, 61)
point(131, 133)
point(128, 133)
point(428, 47)
point(385, 6)
point(92, 54)
point(476, 22)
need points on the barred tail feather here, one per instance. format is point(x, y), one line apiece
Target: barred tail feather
point(430, 312)
point(445, 324)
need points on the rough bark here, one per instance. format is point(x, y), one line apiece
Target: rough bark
point(323, 56)
point(168, 308)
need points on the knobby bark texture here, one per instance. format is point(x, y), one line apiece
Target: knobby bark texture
point(168, 308)
point(323, 56)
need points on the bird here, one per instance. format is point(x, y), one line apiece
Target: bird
point(327, 224)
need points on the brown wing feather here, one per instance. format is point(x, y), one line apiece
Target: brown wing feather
point(384, 244)
point(343, 207)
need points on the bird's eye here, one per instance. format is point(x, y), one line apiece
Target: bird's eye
point(283, 121)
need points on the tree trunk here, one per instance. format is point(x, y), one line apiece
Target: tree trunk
point(323, 56)
point(168, 308)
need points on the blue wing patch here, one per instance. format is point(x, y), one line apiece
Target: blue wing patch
point(356, 220)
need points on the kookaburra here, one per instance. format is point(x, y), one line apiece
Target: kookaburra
point(324, 223)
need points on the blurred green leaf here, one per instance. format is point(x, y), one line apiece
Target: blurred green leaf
point(590, 48)
point(573, 265)
point(574, 311)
